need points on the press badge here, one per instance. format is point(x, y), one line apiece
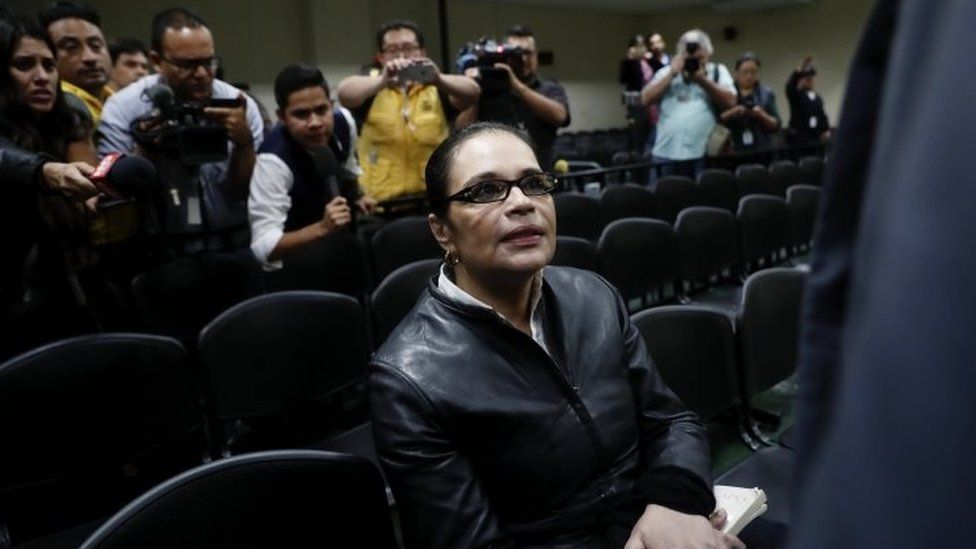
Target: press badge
point(747, 138)
point(813, 122)
point(193, 216)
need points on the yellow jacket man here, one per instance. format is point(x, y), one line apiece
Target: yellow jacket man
point(404, 107)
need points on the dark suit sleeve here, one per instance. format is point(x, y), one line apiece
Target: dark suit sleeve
point(440, 500)
point(673, 444)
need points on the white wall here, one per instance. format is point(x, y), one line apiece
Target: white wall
point(258, 37)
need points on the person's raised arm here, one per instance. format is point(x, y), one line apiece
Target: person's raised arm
point(722, 95)
point(656, 88)
point(439, 497)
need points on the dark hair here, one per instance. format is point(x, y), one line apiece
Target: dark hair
point(637, 40)
point(520, 31)
point(442, 160)
point(397, 24)
point(297, 77)
point(68, 10)
point(173, 18)
point(125, 45)
point(49, 133)
point(747, 56)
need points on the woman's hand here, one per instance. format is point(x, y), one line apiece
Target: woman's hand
point(662, 528)
point(71, 179)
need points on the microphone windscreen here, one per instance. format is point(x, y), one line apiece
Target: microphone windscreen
point(161, 96)
point(561, 166)
point(327, 168)
point(132, 176)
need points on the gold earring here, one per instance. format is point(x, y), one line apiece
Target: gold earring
point(451, 258)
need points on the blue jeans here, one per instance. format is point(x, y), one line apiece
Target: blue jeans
point(689, 168)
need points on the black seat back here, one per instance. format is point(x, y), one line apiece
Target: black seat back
point(707, 241)
point(764, 230)
point(803, 202)
point(88, 423)
point(717, 188)
point(672, 194)
point(784, 174)
point(576, 252)
point(623, 201)
point(811, 171)
point(336, 263)
point(693, 348)
point(578, 215)
point(769, 327)
point(402, 241)
point(639, 256)
point(754, 179)
point(276, 353)
point(397, 294)
point(179, 298)
point(288, 498)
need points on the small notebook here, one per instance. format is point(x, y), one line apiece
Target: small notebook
point(741, 504)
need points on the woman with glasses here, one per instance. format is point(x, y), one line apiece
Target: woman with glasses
point(516, 405)
point(44, 220)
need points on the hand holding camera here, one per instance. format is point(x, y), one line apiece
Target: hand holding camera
point(416, 70)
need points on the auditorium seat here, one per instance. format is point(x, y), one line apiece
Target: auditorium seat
point(693, 348)
point(273, 361)
point(640, 258)
point(717, 188)
point(284, 498)
point(337, 263)
point(811, 171)
point(88, 423)
point(755, 179)
point(768, 329)
point(623, 201)
point(764, 230)
point(402, 241)
point(576, 252)
point(179, 298)
point(784, 174)
point(709, 257)
point(578, 215)
point(803, 202)
point(397, 294)
point(673, 193)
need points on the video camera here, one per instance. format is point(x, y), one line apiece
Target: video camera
point(484, 54)
point(181, 130)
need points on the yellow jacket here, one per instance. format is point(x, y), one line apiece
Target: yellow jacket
point(401, 130)
point(92, 103)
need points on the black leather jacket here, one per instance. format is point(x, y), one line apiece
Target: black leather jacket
point(19, 167)
point(488, 441)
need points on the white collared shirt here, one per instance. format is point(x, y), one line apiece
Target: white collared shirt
point(451, 290)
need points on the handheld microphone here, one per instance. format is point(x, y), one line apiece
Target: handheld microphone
point(161, 96)
point(326, 167)
point(122, 177)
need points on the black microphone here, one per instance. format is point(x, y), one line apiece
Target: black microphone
point(123, 177)
point(161, 96)
point(326, 168)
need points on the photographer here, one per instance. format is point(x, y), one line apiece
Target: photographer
point(690, 91)
point(200, 198)
point(405, 110)
point(539, 107)
point(754, 119)
point(808, 121)
point(296, 191)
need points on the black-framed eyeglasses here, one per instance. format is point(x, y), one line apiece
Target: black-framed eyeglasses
point(401, 48)
point(209, 64)
point(497, 190)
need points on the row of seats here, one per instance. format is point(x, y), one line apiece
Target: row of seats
point(714, 187)
point(92, 422)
